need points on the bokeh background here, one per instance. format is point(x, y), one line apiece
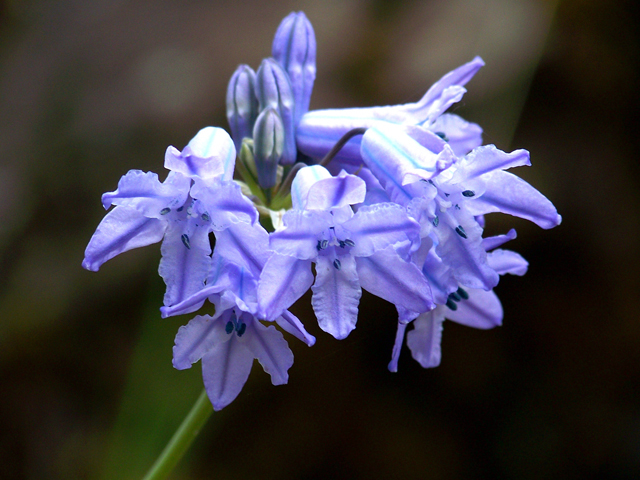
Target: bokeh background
point(91, 89)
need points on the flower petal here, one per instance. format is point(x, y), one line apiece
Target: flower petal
point(397, 347)
point(270, 348)
point(460, 76)
point(302, 231)
point(336, 294)
point(425, 338)
point(506, 261)
point(224, 203)
point(490, 243)
point(509, 194)
point(377, 226)
point(144, 192)
point(481, 310)
point(224, 272)
point(460, 248)
point(244, 245)
point(120, 230)
point(185, 259)
point(388, 276)
point(225, 369)
point(196, 338)
point(209, 154)
point(390, 153)
point(292, 324)
point(283, 280)
point(462, 136)
point(487, 159)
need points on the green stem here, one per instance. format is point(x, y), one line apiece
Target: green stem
point(182, 439)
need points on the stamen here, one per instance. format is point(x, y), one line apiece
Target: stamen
point(228, 327)
point(325, 244)
point(442, 136)
point(241, 328)
point(319, 245)
point(206, 217)
point(165, 210)
point(350, 243)
point(185, 240)
point(181, 208)
point(451, 304)
point(463, 293)
point(460, 231)
point(455, 297)
point(435, 221)
point(336, 264)
point(468, 193)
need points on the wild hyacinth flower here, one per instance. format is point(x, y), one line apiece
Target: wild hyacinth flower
point(351, 251)
point(319, 130)
point(197, 197)
point(229, 341)
point(476, 308)
point(453, 192)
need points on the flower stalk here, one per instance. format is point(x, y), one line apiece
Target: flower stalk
point(182, 439)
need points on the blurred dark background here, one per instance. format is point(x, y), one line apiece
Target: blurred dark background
point(89, 90)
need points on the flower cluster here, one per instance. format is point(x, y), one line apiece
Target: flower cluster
point(390, 199)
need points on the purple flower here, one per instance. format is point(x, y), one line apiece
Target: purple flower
point(446, 194)
point(197, 197)
point(351, 251)
point(472, 307)
point(319, 130)
point(229, 341)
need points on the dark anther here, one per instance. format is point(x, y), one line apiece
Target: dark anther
point(457, 207)
point(468, 193)
point(206, 217)
point(460, 231)
point(319, 245)
point(463, 293)
point(451, 304)
point(325, 244)
point(181, 208)
point(435, 221)
point(455, 297)
point(350, 243)
point(341, 243)
point(446, 194)
point(336, 264)
point(241, 328)
point(442, 136)
point(165, 210)
point(228, 327)
point(185, 240)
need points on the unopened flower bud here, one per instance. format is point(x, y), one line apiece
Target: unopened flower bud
point(268, 146)
point(242, 104)
point(274, 91)
point(294, 47)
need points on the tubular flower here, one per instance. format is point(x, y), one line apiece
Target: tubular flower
point(197, 197)
point(319, 130)
point(351, 251)
point(229, 341)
